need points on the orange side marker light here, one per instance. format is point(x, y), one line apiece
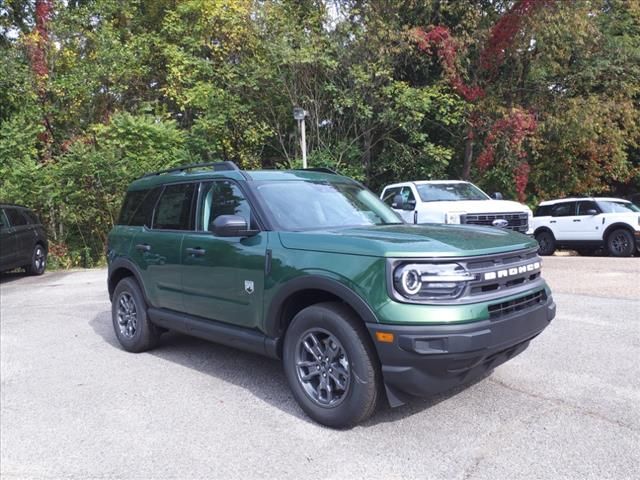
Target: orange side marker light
point(384, 337)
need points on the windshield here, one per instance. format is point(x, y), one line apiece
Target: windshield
point(448, 192)
point(618, 207)
point(307, 205)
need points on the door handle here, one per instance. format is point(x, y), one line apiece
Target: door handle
point(552, 221)
point(143, 247)
point(196, 252)
point(576, 220)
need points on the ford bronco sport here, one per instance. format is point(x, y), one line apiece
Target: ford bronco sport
point(312, 268)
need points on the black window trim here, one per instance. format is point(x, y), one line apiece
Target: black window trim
point(248, 198)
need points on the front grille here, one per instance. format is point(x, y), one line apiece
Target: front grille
point(506, 308)
point(518, 221)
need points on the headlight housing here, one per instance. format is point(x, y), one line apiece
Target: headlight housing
point(430, 281)
point(454, 217)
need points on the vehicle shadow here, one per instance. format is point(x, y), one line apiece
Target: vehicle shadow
point(12, 276)
point(262, 376)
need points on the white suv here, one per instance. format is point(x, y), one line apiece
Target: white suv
point(587, 224)
point(454, 201)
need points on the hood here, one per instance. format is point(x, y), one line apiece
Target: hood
point(405, 240)
point(477, 206)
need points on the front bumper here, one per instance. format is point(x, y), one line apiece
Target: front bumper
point(426, 360)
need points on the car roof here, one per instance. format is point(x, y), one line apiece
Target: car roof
point(183, 174)
point(425, 182)
point(575, 199)
point(12, 205)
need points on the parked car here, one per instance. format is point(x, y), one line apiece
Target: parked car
point(588, 224)
point(453, 202)
point(312, 268)
point(23, 240)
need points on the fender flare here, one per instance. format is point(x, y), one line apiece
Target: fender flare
point(313, 282)
point(543, 229)
point(125, 263)
point(616, 226)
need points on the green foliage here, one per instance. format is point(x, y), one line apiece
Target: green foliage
point(143, 85)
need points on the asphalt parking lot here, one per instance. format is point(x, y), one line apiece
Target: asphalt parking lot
point(74, 405)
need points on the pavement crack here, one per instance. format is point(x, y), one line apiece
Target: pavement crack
point(573, 406)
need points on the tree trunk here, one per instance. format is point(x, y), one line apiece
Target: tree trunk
point(367, 155)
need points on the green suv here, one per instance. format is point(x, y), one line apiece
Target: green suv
point(312, 268)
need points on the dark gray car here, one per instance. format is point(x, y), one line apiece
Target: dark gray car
point(23, 240)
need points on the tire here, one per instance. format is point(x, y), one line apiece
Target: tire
point(620, 243)
point(546, 242)
point(131, 324)
point(352, 372)
point(38, 261)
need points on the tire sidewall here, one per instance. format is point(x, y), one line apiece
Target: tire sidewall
point(550, 243)
point(139, 341)
point(362, 376)
point(629, 251)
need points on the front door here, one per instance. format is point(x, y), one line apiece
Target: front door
point(587, 224)
point(223, 278)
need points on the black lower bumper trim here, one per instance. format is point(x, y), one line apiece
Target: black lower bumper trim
point(426, 360)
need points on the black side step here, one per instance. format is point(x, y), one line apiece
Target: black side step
point(218, 332)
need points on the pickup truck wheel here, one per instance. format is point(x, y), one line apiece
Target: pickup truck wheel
point(620, 243)
point(331, 365)
point(130, 321)
point(546, 242)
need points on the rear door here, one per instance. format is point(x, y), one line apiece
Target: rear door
point(223, 277)
point(24, 237)
point(156, 250)
point(562, 222)
point(7, 243)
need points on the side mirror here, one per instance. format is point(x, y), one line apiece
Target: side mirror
point(592, 211)
point(398, 202)
point(232, 226)
point(497, 196)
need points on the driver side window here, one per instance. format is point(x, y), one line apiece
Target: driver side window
point(223, 197)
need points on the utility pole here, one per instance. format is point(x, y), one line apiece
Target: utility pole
point(299, 114)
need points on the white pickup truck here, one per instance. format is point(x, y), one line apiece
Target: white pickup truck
point(455, 201)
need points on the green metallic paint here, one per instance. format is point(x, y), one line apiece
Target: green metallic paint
point(212, 286)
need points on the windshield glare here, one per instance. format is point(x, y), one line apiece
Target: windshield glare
point(307, 205)
point(618, 207)
point(448, 192)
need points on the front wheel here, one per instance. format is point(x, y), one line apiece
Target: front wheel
point(331, 365)
point(546, 242)
point(38, 261)
point(620, 243)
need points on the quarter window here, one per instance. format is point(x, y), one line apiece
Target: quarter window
point(173, 211)
point(223, 198)
point(16, 219)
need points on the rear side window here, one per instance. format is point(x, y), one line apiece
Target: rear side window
point(137, 209)
point(173, 211)
point(567, 209)
point(16, 218)
point(543, 211)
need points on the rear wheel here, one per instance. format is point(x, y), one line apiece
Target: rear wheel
point(620, 243)
point(331, 365)
point(38, 261)
point(129, 316)
point(546, 242)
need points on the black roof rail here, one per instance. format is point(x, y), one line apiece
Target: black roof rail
point(217, 167)
point(317, 169)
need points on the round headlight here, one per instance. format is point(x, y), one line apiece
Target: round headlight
point(411, 282)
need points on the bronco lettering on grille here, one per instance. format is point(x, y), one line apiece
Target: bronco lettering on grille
point(510, 272)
